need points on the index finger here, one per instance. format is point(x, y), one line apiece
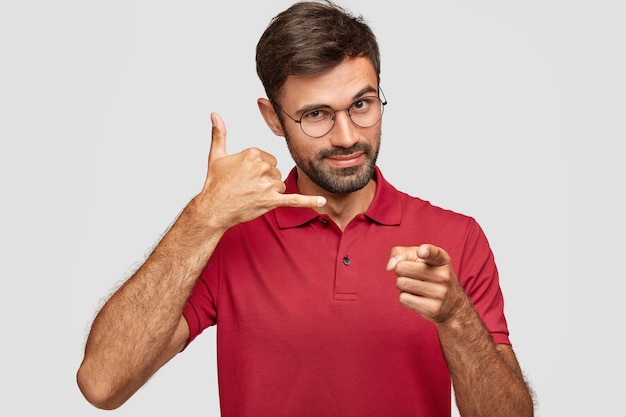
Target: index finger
point(433, 255)
point(429, 254)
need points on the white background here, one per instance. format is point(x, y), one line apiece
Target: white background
point(512, 112)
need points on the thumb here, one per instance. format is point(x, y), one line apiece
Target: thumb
point(218, 138)
point(400, 254)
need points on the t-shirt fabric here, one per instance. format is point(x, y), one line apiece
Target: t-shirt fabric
point(308, 319)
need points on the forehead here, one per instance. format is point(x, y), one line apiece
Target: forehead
point(345, 82)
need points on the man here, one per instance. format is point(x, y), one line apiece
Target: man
point(302, 277)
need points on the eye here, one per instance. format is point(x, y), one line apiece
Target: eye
point(362, 105)
point(317, 115)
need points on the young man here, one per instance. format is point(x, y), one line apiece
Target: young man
point(302, 277)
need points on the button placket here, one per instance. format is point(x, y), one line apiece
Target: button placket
point(346, 279)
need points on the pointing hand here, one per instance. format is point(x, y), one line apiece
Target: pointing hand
point(426, 281)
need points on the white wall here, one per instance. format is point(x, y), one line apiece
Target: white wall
point(512, 112)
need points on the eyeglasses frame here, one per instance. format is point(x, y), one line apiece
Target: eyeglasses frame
point(383, 102)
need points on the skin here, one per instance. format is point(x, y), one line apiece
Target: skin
point(147, 309)
point(141, 326)
point(338, 89)
point(487, 378)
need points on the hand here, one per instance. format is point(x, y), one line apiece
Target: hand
point(426, 281)
point(243, 186)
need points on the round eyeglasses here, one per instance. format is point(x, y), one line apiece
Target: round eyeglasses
point(318, 121)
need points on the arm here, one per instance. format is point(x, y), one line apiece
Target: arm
point(141, 326)
point(487, 378)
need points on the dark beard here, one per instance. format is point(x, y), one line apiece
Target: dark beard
point(339, 180)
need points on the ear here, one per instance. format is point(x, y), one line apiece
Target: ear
point(270, 116)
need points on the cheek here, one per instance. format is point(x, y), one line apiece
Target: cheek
point(374, 137)
point(303, 155)
point(301, 145)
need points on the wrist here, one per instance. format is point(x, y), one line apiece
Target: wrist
point(461, 316)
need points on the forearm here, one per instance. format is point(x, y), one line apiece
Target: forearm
point(130, 336)
point(487, 379)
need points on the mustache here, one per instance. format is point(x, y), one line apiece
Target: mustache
point(339, 151)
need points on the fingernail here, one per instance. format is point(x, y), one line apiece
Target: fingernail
point(321, 201)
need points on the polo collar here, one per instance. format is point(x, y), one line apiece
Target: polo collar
point(385, 209)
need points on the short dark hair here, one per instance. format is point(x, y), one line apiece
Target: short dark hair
point(311, 37)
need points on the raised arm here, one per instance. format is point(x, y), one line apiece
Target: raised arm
point(141, 327)
point(487, 378)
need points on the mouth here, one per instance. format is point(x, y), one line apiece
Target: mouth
point(346, 161)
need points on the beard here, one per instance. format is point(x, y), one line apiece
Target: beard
point(338, 180)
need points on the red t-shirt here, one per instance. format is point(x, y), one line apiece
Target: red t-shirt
point(308, 319)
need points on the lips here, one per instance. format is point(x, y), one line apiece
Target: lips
point(346, 160)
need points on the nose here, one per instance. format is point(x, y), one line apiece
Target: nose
point(344, 133)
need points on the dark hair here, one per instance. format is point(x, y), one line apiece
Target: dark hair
point(309, 38)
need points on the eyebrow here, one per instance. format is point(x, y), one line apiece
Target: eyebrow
point(361, 93)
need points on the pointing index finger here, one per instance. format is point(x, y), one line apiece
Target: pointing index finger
point(429, 254)
point(432, 255)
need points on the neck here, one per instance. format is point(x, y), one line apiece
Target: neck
point(341, 208)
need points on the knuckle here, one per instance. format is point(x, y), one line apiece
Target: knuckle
point(404, 298)
point(291, 200)
point(395, 250)
point(251, 153)
point(405, 284)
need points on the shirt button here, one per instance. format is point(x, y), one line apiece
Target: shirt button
point(324, 223)
point(346, 261)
